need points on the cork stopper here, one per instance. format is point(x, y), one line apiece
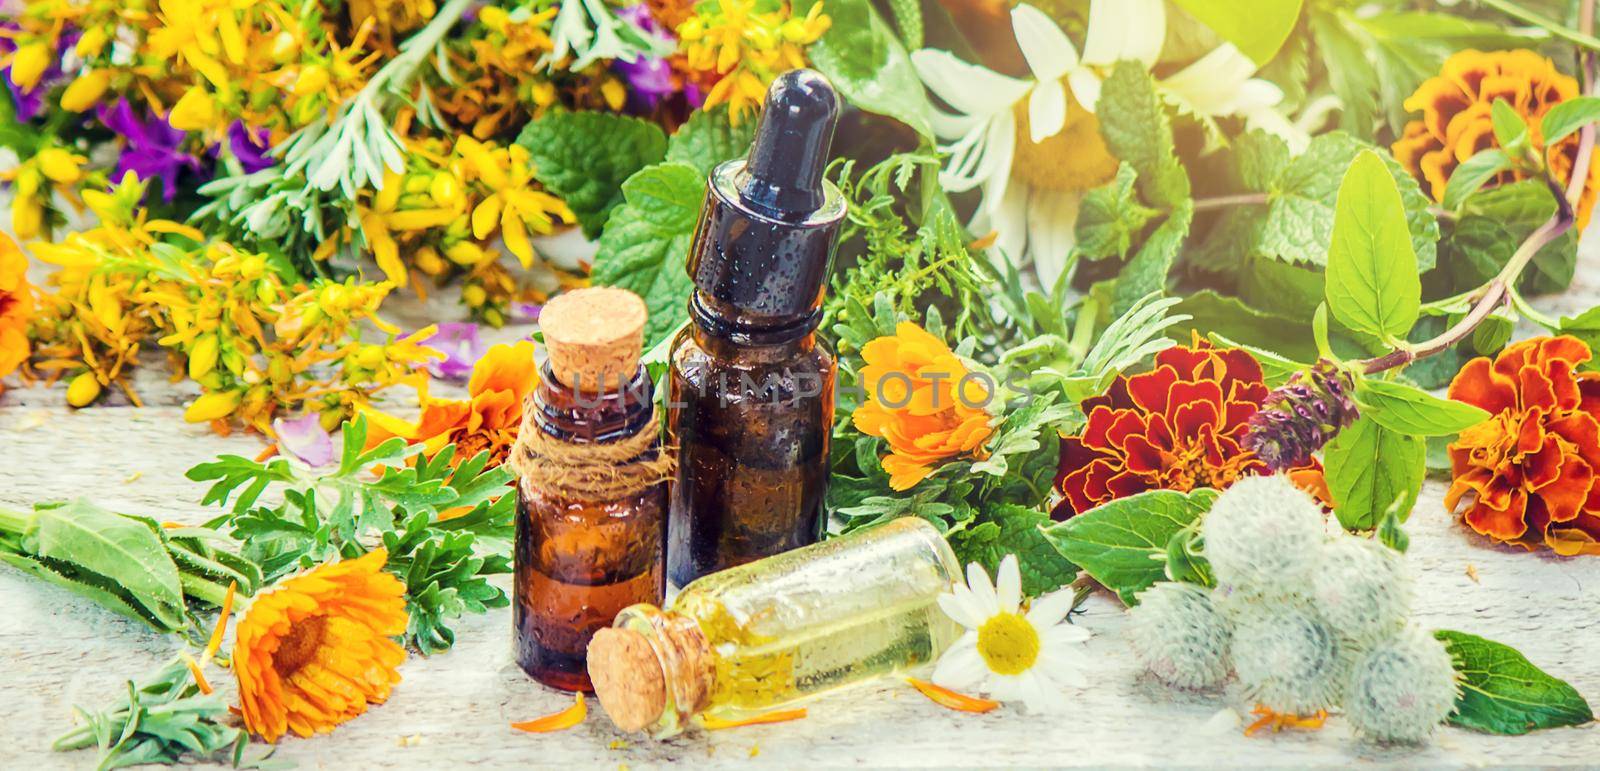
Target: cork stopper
point(594, 337)
point(627, 677)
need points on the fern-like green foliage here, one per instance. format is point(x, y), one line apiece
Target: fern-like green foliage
point(446, 528)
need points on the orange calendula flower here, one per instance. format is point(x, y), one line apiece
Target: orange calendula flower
point(314, 651)
point(1456, 123)
point(922, 400)
point(488, 420)
point(16, 306)
point(1531, 471)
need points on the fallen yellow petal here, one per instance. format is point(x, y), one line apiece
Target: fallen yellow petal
point(559, 721)
point(779, 716)
point(949, 699)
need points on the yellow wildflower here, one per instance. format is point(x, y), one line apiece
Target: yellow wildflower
point(743, 49)
point(83, 92)
point(29, 63)
point(511, 201)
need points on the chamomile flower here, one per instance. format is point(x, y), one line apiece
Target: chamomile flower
point(1008, 652)
point(1033, 145)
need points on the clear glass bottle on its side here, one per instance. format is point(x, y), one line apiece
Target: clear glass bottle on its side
point(780, 630)
point(579, 560)
point(750, 389)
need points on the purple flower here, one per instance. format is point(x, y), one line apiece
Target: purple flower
point(461, 346)
point(649, 77)
point(150, 147)
point(525, 312)
point(250, 147)
point(30, 103)
point(304, 440)
point(1300, 416)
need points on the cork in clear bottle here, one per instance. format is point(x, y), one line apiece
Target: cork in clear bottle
point(578, 561)
point(779, 631)
point(750, 389)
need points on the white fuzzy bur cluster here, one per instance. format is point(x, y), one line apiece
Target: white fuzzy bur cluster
point(1307, 620)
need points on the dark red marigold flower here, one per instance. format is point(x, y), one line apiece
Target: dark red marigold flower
point(1179, 426)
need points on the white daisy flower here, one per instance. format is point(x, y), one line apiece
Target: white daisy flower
point(1006, 653)
point(1033, 144)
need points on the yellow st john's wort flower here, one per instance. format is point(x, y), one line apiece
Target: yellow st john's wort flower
point(314, 651)
point(412, 202)
point(198, 32)
point(28, 64)
point(745, 49)
point(511, 202)
point(16, 306)
point(85, 91)
point(195, 111)
point(1033, 145)
point(32, 181)
point(1009, 651)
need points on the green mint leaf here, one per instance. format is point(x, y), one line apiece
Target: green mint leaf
point(1147, 272)
point(1510, 131)
point(1258, 28)
point(1011, 529)
point(1494, 223)
point(1133, 121)
point(1373, 283)
point(1111, 217)
point(1567, 117)
point(1369, 468)
point(864, 59)
point(1494, 332)
point(1586, 327)
point(1472, 175)
point(1503, 693)
point(1301, 207)
point(1260, 159)
point(1123, 543)
point(584, 156)
point(1410, 410)
point(1350, 70)
point(645, 248)
point(708, 139)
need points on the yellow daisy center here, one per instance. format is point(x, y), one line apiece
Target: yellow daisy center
point(1075, 158)
point(1008, 644)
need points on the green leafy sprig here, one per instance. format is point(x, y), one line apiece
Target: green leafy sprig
point(129, 564)
point(446, 529)
point(165, 718)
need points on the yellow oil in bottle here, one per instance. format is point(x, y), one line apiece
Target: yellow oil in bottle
point(768, 634)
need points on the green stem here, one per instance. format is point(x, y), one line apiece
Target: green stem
point(1559, 30)
point(201, 589)
point(1225, 201)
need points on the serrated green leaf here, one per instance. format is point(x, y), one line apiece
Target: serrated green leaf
point(126, 552)
point(1369, 468)
point(708, 139)
point(1123, 543)
point(1133, 121)
point(1373, 283)
point(1413, 411)
point(1492, 226)
point(645, 248)
point(1504, 693)
point(1010, 529)
point(1111, 217)
point(1147, 272)
point(585, 156)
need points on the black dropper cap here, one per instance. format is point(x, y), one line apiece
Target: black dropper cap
point(769, 224)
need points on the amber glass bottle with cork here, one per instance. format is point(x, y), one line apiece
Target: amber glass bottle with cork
point(750, 402)
point(780, 630)
point(592, 498)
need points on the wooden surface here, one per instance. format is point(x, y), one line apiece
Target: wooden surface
point(453, 708)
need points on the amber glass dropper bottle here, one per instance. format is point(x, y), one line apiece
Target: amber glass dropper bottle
point(750, 402)
point(591, 518)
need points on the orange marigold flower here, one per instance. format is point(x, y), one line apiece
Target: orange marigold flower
point(16, 306)
point(314, 651)
point(1456, 123)
point(911, 378)
point(1179, 426)
point(488, 420)
point(1532, 469)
